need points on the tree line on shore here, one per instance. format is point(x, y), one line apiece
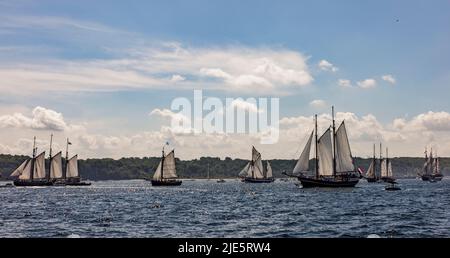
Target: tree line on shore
point(139, 168)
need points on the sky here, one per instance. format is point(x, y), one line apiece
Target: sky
point(104, 73)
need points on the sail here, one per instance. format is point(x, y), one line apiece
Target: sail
point(269, 170)
point(19, 171)
point(257, 167)
point(303, 161)
point(245, 170)
point(344, 160)
point(26, 173)
point(324, 154)
point(56, 166)
point(169, 169)
point(72, 167)
point(371, 170)
point(39, 166)
point(157, 174)
point(389, 171)
point(438, 168)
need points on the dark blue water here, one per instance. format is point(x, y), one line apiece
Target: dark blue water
point(203, 208)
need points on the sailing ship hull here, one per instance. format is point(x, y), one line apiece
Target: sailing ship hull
point(432, 177)
point(166, 182)
point(388, 179)
point(32, 183)
point(371, 179)
point(313, 182)
point(258, 180)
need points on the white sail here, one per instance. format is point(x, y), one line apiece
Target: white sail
point(245, 171)
point(303, 162)
point(72, 167)
point(389, 171)
point(257, 167)
point(157, 174)
point(26, 173)
point(324, 154)
point(438, 168)
point(19, 171)
point(371, 170)
point(39, 166)
point(344, 160)
point(169, 169)
point(56, 166)
point(269, 170)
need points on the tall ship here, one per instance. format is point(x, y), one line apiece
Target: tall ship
point(371, 175)
point(431, 168)
point(386, 169)
point(254, 171)
point(165, 174)
point(333, 159)
point(32, 171)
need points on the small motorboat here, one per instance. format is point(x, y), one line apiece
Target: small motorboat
point(221, 181)
point(8, 185)
point(392, 186)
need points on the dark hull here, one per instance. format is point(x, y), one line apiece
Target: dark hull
point(371, 179)
point(437, 177)
point(262, 180)
point(166, 182)
point(392, 188)
point(313, 182)
point(78, 183)
point(32, 183)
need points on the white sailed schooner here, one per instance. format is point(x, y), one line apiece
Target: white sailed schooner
point(32, 171)
point(254, 171)
point(431, 168)
point(165, 174)
point(386, 169)
point(333, 160)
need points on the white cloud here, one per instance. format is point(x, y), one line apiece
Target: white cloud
point(42, 118)
point(327, 66)
point(318, 103)
point(244, 105)
point(345, 83)
point(367, 83)
point(389, 78)
point(177, 78)
point(240, 69)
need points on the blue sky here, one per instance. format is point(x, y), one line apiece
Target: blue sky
point(408, 40)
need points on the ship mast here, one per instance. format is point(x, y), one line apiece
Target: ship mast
point(334, 142)
point(33, 159)
point(67, 159)
point(381, 158)
point(374, 162)
point(50, 158)
point(317, 160)
point(387, 163)
point(162, 163)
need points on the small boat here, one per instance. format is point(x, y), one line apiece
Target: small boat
point(165, 174)
point(254, 171)
point(333, 160)
point(221, 181)
point(7, 185)
point(371, 175)
point(392, 186)
point(32, 171)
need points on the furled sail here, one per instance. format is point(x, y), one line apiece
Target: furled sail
point(344, 160)
point(20, 170)
point(167, 167)
point(39, 166)
point(269, 170)
point(303, 162)
point(56, 166)
point(72, 167)
point(371, 170)
point(324, 154)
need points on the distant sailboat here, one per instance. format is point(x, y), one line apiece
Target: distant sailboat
point(254, 171)
point(386, 169)
point(372, 176)
point(32, 171)
point(333, 162)
point(70, 175)
point(431, 168)
point(165, 174)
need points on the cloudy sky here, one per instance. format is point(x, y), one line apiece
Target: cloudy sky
point(104, 73)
